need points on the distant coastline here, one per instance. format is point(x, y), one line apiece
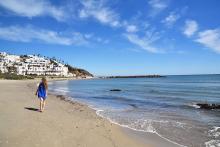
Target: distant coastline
point(135, 76)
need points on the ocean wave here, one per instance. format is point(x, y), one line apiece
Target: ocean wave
point(194, 105)
point(215, 131)
point(147, 124)
point(142, 125)
point(61, 90)
point(212, 143)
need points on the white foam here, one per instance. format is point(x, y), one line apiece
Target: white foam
point(215, 131)
point(180, 124)
point(212, 143)
point(194, 105)
point(63, 91)
point(150, 128)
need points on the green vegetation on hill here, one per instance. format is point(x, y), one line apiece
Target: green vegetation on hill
point(13, 76)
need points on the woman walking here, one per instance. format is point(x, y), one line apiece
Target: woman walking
point(42, 93)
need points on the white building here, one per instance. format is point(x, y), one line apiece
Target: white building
point(4, 61)
point(9, 58)
point(32, 65)
point(3, 68)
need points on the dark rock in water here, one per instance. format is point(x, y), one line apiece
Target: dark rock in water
point(61, 97)
point(115, 90)
point(133, 105)
point(208, 106)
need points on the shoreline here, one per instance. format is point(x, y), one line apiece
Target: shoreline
point(64, 122)
point(153, 138)
point(140, 135)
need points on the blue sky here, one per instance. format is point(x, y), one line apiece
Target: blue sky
point(117, 37)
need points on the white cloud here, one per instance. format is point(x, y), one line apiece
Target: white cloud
point(171, 19)
point(157, 6)
point(210, 38)
point(190, 28)
point(91, 37)
point(145, 42)
point(29, 33)
point(131, 28)
point(101, 40)
point(88, 36)
point(33, 8)
point(98, 11)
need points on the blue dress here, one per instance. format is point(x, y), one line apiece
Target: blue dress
point(41, 91)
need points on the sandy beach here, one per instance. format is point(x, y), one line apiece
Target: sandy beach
point(63, 124)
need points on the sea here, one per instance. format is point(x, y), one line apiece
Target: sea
point(165, 106)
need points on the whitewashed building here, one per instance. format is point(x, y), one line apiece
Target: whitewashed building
point(33, 65)
point(9, 58)
point(3, 68)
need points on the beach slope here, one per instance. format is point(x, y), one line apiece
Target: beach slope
point(62, 124)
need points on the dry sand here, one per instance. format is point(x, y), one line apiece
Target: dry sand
point(62, 124)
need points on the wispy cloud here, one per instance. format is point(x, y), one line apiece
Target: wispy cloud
point(33, 8)
point(190, 28)
point(97, 9)
point(131, 28)
point(100, 12)
point(146, 42)
point(91, 37)
point(171, 19)
point(157, 6)
point(29, 33)
point(101, 40)
point(210, 38)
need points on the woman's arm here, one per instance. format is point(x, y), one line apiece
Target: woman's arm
point(37, 89)
point(46, 92)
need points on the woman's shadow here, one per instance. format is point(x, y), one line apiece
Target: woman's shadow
point(31, 109)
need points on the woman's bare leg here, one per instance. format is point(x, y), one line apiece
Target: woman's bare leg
point(44, 103)
point(41, 105)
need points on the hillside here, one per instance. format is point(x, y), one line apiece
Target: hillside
point(36, 65)
point(78, 72)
